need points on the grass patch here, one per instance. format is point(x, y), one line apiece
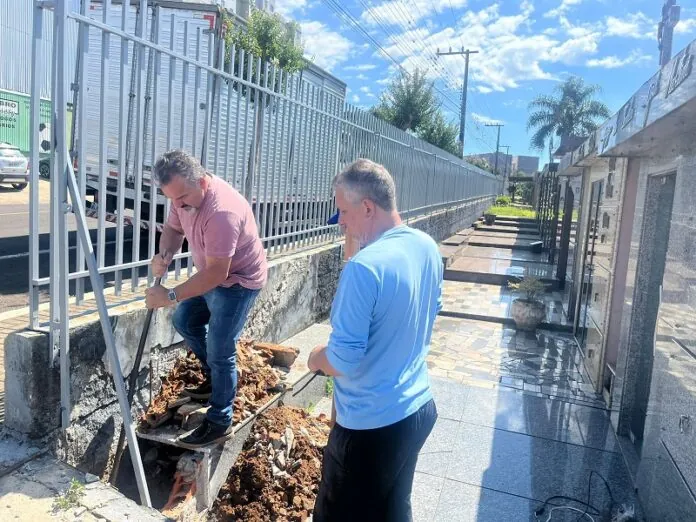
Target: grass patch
point(511, 211)
point(329, 387)
point(71, 498)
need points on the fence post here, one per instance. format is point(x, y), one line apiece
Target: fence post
point(36, 73)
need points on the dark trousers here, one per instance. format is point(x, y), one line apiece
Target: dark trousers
point(211, 324)
point(367, 475)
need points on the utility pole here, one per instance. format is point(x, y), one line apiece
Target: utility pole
point(497, 144)
point(465, 88)
point(507, 159)
point(665, 30)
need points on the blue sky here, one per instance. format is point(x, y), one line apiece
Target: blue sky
point(525, 48)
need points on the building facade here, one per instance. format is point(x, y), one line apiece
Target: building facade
point(634, 274)
point(509, 163)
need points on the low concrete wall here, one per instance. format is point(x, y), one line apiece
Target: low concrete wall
point(299, 293)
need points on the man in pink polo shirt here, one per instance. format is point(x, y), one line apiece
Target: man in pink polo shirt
point(231, 269)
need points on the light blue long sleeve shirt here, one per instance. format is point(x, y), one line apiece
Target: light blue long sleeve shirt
point(382, 317)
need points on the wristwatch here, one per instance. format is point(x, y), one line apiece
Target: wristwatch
point(172, 296)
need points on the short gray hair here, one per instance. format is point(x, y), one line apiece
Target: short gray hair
point(366, 179)
point(177, 163)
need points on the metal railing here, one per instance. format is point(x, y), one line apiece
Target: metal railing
point(147, 78)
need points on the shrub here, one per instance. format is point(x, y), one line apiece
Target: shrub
point(530, 286)
point(503, 201)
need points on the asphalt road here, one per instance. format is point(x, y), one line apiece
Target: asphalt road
point(14, 245)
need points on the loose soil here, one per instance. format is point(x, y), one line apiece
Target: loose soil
point(257, 382)
point(276, 477)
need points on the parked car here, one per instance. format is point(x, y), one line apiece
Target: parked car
point(14, 167)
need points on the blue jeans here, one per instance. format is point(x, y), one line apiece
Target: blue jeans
point(223, 311)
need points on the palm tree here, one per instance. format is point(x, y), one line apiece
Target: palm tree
point(570, 111)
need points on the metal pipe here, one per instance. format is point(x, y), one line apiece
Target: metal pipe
point(36, 75)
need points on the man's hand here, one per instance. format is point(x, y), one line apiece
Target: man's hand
point(160, 263)
point(318, 362)
point(157, 297)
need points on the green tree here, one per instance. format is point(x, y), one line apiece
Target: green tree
point(440, 133)
point(268, 37)
point(570, 111)
point(481, 163)
point(409, 102)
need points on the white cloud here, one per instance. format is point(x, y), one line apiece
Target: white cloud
point(362, 77)
point(633, 25)
point(323, 46)
point(685, 26)
point(365, 89)
point(485, 120)
point(562, 9)
point(614, 62)
point(384, 81)
point(287, 7)
point(355, 98)
point(361, 67)
point(511, 51)
point(404, 13)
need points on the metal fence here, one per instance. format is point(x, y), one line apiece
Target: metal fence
point(149, 78)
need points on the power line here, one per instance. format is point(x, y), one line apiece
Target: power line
point(347, 16)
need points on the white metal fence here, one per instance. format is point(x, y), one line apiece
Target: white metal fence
point(149, 77)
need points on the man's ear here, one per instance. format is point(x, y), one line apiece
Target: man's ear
point(368, 207)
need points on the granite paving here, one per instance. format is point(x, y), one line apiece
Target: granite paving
point(518, 422)
point(478, 300)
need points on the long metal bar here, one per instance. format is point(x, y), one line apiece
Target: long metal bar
point(109, 340)
point(36, 75)
point(103, 149)
point(231, 53)
point(79, 95)
point(139, 142)
point(153, 153)
point(122, 139)
point(268, 171)
point(196, 96)
point(60, 337)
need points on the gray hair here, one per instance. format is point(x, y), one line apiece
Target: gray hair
point(177, 163)
point(365, 179)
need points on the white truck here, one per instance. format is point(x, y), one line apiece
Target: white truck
point(186, 107)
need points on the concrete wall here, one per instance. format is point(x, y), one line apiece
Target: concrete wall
point(299, 293)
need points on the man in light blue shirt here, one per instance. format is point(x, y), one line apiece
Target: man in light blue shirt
point(388, 297)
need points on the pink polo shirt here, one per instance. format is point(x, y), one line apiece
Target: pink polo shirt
point(224, 226)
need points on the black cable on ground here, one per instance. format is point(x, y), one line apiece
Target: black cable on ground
point(589, 508)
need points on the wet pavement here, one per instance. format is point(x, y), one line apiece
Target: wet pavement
point(477, 300)
point(519, 420)
point(518, 423)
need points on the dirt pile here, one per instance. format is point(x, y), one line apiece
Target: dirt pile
point(257, 382)
point(276, 477)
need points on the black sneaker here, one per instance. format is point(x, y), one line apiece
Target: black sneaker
point(201, 392)
point(207, 433)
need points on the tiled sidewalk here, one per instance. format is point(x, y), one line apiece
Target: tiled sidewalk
point(517, 424)
point(489, 355)
point(493, 301)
